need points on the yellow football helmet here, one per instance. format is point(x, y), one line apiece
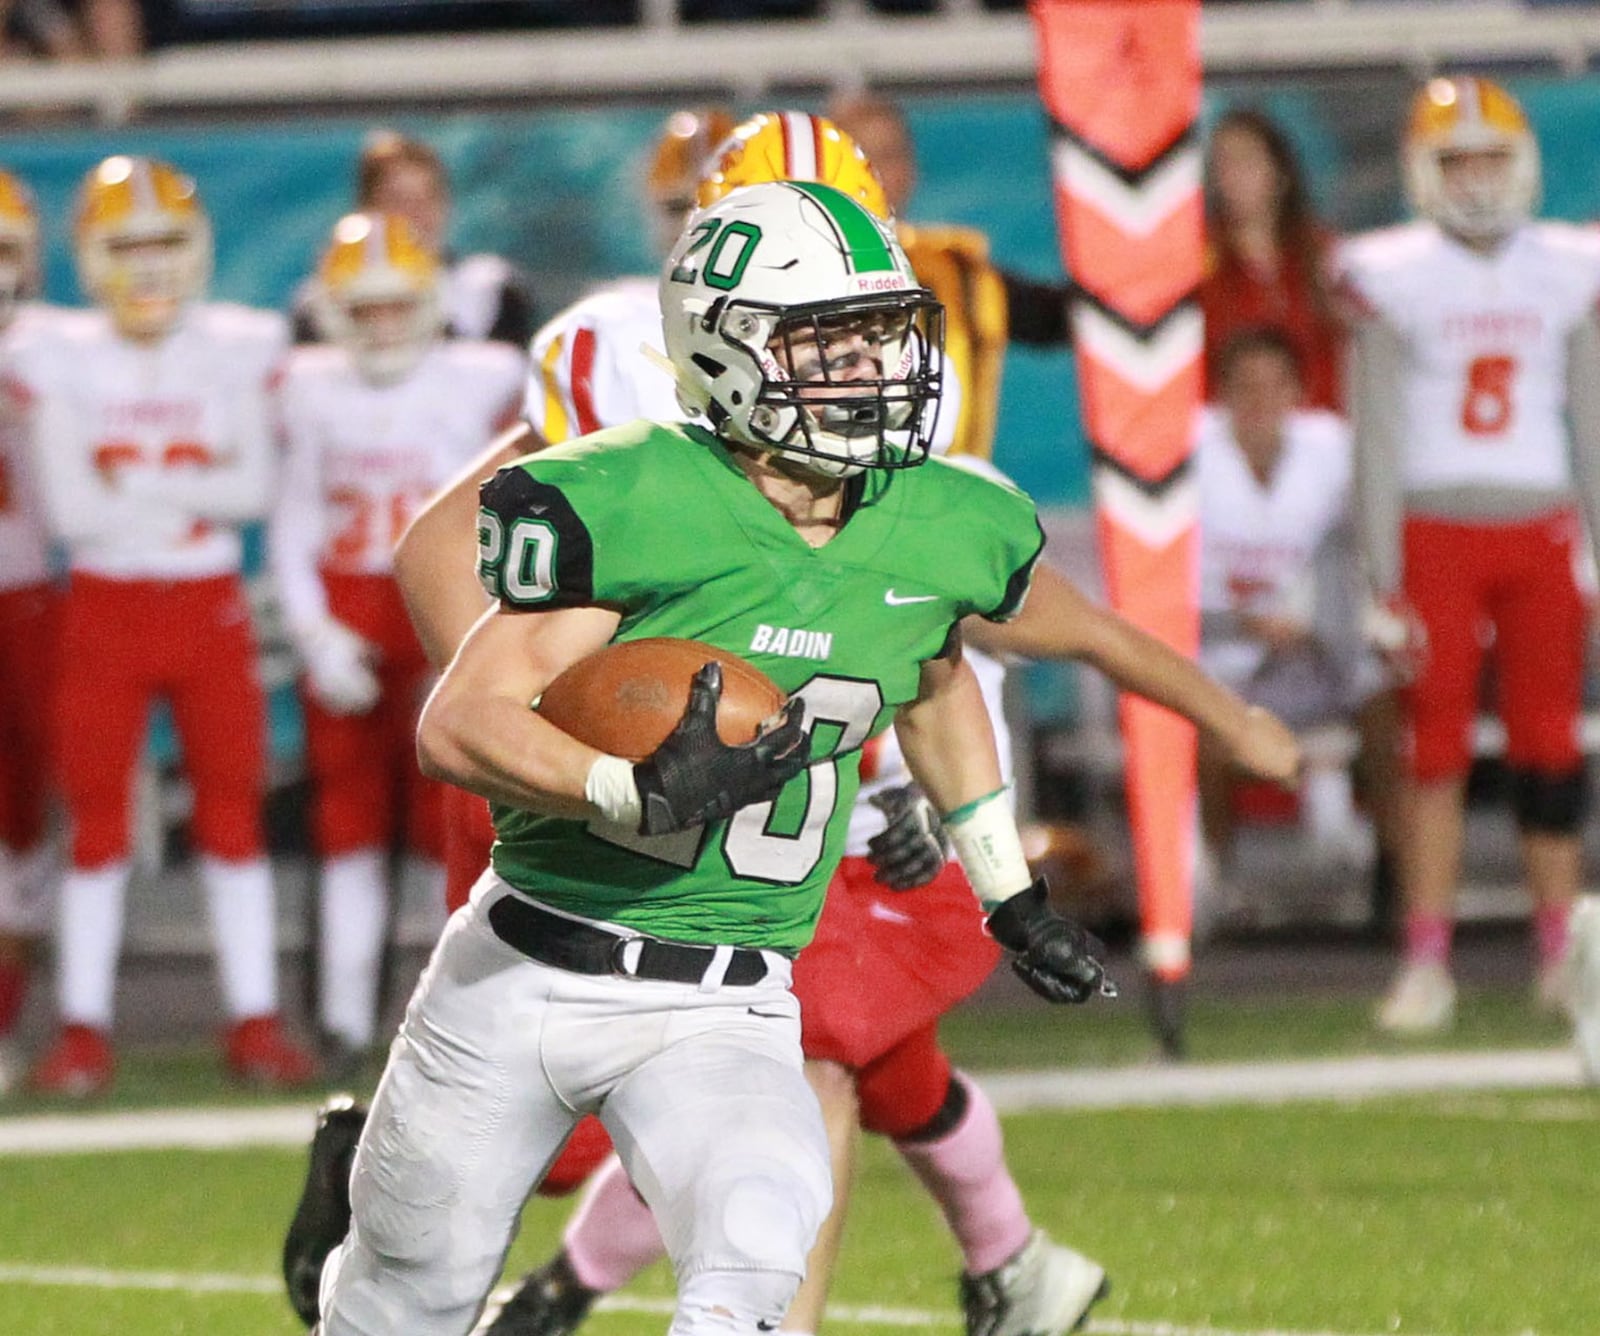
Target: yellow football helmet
point(1454, 117)
point(378, 294)
point(792, 146)
point(676, 162)
point(143, 243)
point(19, 245)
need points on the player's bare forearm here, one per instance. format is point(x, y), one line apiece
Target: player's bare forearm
point(478, 729)
point(433, 562)
point(1059, 622)
point(947, 738)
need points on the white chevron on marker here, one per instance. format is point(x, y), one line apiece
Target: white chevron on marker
point(1138, 207)
point(1148, 363)
point(1156, 521)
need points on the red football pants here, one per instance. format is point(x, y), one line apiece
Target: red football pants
point(124, 643)
point(28, 630)
point(365, 780)
point(1461, 579)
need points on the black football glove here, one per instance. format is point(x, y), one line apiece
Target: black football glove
point(913, 848)
point(694, 777)
point(1051, 954)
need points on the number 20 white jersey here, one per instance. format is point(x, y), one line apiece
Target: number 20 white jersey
point(1486, 339)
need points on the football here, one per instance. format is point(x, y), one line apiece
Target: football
point(625, 698)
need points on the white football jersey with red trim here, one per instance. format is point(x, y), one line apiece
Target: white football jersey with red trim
point(1486, 342)
point(24, 535)
point(588, 370)
point(1258, 540)
point(362, 458)
point(149, 455)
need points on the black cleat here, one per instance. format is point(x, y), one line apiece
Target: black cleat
point(551, 1301)
point(322, 1217)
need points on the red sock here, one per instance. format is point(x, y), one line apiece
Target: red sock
point(1550, 933)
point(1427, 938)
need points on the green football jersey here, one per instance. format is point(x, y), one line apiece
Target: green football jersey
point(660, 522)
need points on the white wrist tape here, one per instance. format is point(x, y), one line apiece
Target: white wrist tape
point(611, 787)
point(984, 834)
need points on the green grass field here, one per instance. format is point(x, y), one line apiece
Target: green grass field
point(1451, 1215)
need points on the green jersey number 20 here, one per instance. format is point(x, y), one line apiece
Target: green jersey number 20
point(754, 845)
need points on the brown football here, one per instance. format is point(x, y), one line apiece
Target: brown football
point(625, 698)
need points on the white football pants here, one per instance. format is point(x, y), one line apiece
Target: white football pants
point(701, 1090)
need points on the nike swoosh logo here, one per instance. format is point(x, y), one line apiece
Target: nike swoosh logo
point(878, 910)
point(895, 600)
point(768, 1015)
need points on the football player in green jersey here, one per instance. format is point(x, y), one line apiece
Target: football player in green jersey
point(629, 951)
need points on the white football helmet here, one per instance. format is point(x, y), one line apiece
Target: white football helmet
point(19, 246)
point(143, 243)
point(377, 294)
point(794, 324)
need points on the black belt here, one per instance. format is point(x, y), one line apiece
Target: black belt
point(570, 944)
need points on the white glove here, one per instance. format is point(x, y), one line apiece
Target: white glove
point(339, 667)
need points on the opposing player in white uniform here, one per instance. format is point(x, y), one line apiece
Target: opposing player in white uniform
point(27, 634)
point(1475, 347)
point(373, 424)
point(152, 441)
point(1279, 586)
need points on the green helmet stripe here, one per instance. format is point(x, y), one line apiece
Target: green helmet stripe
point(863, 241)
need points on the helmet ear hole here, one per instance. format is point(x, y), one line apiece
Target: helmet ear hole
point(709, 365)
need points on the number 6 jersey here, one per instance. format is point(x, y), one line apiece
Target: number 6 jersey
point(661, 523)
point(1485, 337)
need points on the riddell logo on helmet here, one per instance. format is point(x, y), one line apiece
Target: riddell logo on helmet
point(860, 283)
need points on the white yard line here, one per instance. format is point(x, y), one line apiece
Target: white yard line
point(1284, 1082)
point(201, 1282)
point(1189, 1084)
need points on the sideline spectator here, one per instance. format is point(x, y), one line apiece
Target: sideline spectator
point(152, 443)
point(1475, 393)
point(1266, 261)
point(485, 296)
point(72, 29)
point(985, 305)
point(1279, 600)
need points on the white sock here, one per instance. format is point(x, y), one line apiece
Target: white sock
point(353, 913)
point(88, 940)
point(1329, 803)
point(240, 899)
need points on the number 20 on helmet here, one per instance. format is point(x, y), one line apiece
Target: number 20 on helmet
point(794, 324)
